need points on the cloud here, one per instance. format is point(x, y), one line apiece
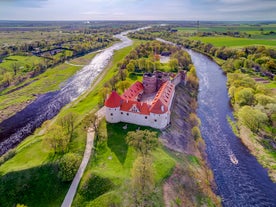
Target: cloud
point(138, 9)
point(23, 3)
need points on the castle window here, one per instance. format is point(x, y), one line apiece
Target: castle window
point(146, 117)
point(155, 120)
point(127, 114)
point(122, 113)
point(111, 114)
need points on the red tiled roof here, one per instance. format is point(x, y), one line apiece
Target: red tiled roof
point(113, 101)
point(133, 91)
point(159, 105)
point(141, 106)
point(126, 105)
point(162, 99)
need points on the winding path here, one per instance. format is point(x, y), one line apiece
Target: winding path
point(67, 202)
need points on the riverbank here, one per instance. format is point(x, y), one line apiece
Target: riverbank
point(16, 98)
point(260, 143)
point(192, 170)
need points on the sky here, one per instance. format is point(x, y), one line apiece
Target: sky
point(220, 10)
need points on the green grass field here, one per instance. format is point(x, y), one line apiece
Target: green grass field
point(227, 41)
point(248, 28)
point(113, 160)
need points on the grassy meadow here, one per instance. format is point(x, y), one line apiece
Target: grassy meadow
point(227, 41)
point(112, 162)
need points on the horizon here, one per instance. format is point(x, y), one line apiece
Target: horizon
point(138, 10)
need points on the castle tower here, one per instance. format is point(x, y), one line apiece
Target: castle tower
point(149, 83)
point(161, 78)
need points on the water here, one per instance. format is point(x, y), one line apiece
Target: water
point(245, 183)
point(22, 124)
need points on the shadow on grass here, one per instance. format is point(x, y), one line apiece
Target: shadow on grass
point(39, 186)
point(116, 140)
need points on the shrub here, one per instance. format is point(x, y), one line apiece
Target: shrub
point(8, 155)
point(68, 166)
point(196, 132)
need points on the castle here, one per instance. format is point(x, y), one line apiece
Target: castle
point(147, 103)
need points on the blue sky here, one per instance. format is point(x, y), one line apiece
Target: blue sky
point(138, 10)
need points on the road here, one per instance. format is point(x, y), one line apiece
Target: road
point(67, 202)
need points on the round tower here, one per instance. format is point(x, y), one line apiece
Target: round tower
point(149, 83)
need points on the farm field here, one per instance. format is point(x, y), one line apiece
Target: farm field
point(227, 41)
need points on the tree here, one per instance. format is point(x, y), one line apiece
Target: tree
point(263, 99)
point(57, 139)
point(142, 181)
point(91, 120)
point(244, 96)
point(144, 141)
point(195, 121)
point(130, 67)
point(7, 78)
point(173, 63)
point(68, 166)
point(15, 67)
point(122, 74)
point(252, 118)
point(196, 132)
point(67, 122)
point(124, 85)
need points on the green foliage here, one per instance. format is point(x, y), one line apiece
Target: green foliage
point(240, 80)
point(144, 141)
point(57, 139)
point(68, 166)
point(196, 132)
point(252, 118)
point(194, 120)
point(20, 205)
point(94, 186)
point(8, 155)
point(142, 181)
point(67, 123)
point(39, 186)
point(244, 96)
point(264, 99)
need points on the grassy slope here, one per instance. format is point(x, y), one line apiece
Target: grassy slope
point(32, 153)
point(113, 159)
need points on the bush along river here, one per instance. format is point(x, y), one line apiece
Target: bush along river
point(22, 124)
point(241, 180)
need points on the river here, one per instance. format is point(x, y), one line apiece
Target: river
point(46, 106)
point(245, 183)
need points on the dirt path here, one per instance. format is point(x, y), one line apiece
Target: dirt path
point(67, 202)
point(74, 185)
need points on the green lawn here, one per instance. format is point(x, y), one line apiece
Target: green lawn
point(227, 41)
point(113, 160)
point(21, 61)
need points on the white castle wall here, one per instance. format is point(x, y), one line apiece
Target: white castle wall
point(112, 115)
point(159, 121)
